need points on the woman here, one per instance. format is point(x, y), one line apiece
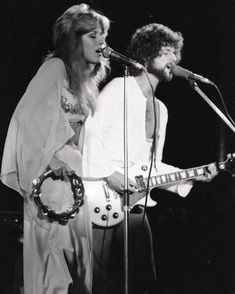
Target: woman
point(46, 132)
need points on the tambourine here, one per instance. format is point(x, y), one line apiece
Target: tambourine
point(78, 195)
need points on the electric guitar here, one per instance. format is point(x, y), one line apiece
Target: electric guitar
point(106, 205)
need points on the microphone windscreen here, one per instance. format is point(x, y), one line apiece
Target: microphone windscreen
point(106, 52)
point(179, 71)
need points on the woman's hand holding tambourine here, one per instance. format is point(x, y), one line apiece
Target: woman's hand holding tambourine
point(60, 169)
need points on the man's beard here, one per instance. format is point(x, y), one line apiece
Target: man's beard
point(162, 74)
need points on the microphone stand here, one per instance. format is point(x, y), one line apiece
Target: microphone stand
point(126, 193)
point(194, 85)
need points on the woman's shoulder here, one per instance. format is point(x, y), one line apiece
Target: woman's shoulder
point(54, 63)
point(51, 70)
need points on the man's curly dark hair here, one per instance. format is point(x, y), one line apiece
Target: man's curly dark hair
point(147, 41)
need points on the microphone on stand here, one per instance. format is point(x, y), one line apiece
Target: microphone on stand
point(108, 52)
point(181, 72)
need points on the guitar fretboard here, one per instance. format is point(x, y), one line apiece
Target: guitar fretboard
point(170, 178)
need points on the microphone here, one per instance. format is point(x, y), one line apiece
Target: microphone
point(181, 72)
point(108, 52)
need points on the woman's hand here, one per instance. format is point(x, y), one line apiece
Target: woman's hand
point(60, 169)
point(116, 182)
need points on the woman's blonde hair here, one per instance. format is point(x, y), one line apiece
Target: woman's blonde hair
point(67, 32)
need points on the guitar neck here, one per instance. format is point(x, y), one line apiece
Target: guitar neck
point(176, 177)
point(173, 177)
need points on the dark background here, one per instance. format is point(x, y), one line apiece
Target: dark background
point(194, 238)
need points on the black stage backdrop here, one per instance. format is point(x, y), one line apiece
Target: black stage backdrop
point(194, 238)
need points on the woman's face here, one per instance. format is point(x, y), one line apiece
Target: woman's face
point(91, 45)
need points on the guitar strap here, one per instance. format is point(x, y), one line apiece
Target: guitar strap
point(156, 133)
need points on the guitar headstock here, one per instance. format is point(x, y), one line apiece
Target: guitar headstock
point(229, 164)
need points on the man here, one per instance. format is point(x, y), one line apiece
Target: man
point(158, 48)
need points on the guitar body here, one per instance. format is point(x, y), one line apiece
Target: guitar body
point(106, 205)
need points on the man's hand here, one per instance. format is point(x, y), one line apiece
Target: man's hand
point(211, 172)
point(60, 168)
point(116, 182)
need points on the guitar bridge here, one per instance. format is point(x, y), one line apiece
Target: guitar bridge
point(106, 192)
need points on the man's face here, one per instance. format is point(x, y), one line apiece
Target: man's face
point(161, 65)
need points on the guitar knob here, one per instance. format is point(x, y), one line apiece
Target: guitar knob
point(115, 215)
point(108, 207)
point(144, 167)
point(97, 210)
point(104, 217)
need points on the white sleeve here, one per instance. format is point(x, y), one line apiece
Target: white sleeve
point(182, 188)
point(96, 163)
point(161, 136)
